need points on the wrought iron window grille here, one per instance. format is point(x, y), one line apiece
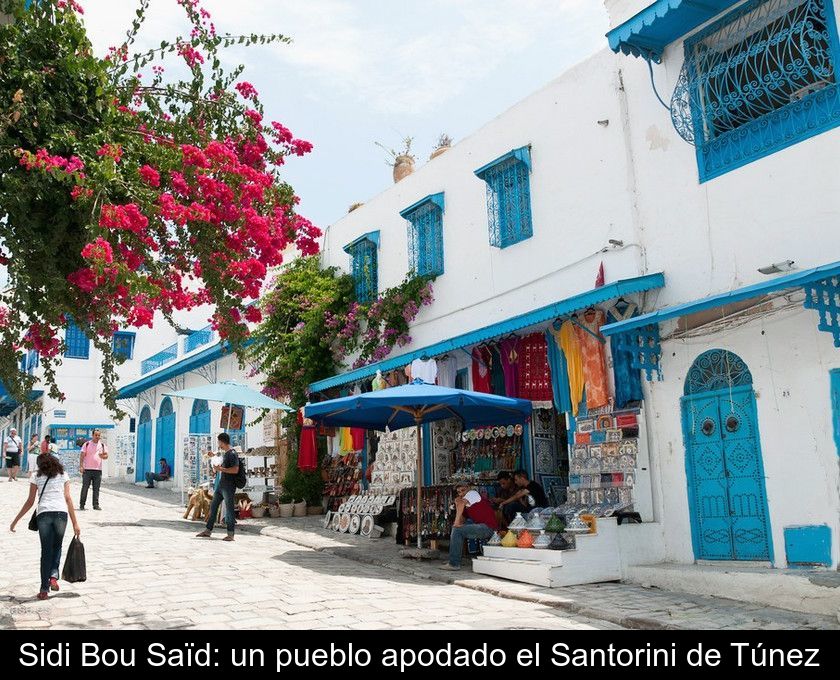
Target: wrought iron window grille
point(364, 266)
point(508, 198)
point(425, 236)
point(761, 78)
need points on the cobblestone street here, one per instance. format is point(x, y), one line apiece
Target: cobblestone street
point(146, 570)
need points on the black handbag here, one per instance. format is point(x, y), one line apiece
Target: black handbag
point(33, 521)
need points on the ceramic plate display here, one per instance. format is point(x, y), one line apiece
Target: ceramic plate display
point(344, 522)
point(509, 431)
point(355, 523)
point(390, 500)
point(518, 430)
point(334, 521)
point(366, 526)
point(377, 510)
point(327, 519)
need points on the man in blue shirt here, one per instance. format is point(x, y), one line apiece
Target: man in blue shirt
point(226, 491)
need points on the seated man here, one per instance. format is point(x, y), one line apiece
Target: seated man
point(164, 474)
point(474, 518)
point(505, 489)
point(528, 495)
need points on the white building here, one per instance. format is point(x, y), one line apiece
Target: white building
point(744, 425)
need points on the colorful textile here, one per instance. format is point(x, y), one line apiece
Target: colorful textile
point(559, 374)
point(447, 370)
point(594, 361)
point(308, 449)
point(357, 437)
point(509, 352)
point(497, 374)
point(534, 373)
point(568, 340)
point(628, 380)
point(481, 369)
point(345, 440)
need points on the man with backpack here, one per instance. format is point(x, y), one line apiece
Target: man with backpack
point(232, 477)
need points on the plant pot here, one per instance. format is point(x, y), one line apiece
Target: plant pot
point(437, 152)
point(274, 511)
point(299, 509)
point(286, 509)
point(258, 511)
point(314, 510)
point(403, 167)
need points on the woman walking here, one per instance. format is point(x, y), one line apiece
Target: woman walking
point(32, 452)
point(51, 486)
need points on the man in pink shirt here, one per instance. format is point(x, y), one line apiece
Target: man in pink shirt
point(93, 453)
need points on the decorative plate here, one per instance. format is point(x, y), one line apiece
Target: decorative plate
point(344, 522)
point(509, 430)
point(334, 521)
point(390, 500)
point(366, 526)
point(327, 520)
point(518, 430)
point(355, 522)
point(465, 436)
point(377, 510)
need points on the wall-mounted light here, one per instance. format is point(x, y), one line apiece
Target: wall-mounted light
point(778, 267)
point(604, 123)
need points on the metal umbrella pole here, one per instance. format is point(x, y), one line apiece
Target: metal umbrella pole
point(417, 419)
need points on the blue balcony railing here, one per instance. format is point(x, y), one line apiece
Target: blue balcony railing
point(198, 339)
point(159, 359)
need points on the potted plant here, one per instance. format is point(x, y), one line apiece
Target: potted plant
point(299, 509)
point(287, 506)
point(443, 144)
point(258, 511)
point(402, 161)
point(274, 510)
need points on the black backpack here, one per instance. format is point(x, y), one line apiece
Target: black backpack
point(242, 475)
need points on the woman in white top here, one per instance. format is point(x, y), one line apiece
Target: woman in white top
point(50, 486)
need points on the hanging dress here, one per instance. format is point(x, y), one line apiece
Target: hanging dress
point(308, 449)
point(534, 373)
point(480, 370)
point(559, 374)
point(357, 437)
point(628, 380)
point(345, 440)
point(567, 338)
point(497, 375)
point(594, 358)
point(509, 351)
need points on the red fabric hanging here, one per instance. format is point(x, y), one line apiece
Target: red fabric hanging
point(534, 373)
point(481, 359)
point(357, 434)
point(308, 449)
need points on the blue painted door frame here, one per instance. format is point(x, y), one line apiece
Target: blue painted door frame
point(144, 445)
point(165, 435)
point(725, 473)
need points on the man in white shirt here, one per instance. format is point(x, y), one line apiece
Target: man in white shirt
point(93, 453)
point(12, 448)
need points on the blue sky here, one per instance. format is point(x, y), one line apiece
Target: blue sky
point(361, 71)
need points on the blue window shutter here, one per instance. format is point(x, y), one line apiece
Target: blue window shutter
point(758, 80)
point(77, 343)
point(508, 197)
point(364, 268)
point(123, 344)
point(425, 235)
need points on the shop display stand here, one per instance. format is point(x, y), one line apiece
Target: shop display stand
point(262, 483)
point(595, 559)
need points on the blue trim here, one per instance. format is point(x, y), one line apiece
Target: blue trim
point(83, 426)
point(427, 454)
point(372, 236)
point(8, 404)
point(191, 363)
point(834, 376)
point(807, 546)
point(522, 154)
point(77, 343)
point(648, 33)
point(127, 336)
point(437, 199)
point(793, 280)
point(537, 316)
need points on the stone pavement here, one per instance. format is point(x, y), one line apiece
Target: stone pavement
point(626, 605)
point(146, 570)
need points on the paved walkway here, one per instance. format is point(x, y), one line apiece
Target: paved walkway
point(146, 570)
point(626, 605)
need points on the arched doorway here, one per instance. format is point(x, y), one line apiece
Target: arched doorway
point(726, 492)
point(200, 417)
point(165, 435)
point(144, 445)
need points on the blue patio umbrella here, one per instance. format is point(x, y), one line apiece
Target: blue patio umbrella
point(412, 405)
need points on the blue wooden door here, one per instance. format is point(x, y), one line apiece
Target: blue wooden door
point(144, 445)
point(726, 488)
point(200, 418)
point(165, 435)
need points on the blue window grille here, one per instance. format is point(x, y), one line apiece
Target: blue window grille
point(364, 266)
point(77, 344)
point(508, 197)
point(756, 81)
point(425, 236)
point(123, 344)
point(159, 359)
point(198, 339)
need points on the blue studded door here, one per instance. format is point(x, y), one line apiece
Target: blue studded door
point(726, 490)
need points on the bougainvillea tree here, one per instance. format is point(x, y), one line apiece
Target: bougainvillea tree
point(132, 184)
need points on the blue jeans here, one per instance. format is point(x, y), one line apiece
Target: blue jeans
point(456, 540)
point(152, 477)
point(223, 494)
point(51, 527)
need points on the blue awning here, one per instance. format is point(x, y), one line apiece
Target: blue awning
point(813, 280)
point(537, 316)
point(372, 236)
point(648, 33)
point(8, 403)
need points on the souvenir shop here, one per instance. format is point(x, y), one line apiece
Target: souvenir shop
point(586, 443)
